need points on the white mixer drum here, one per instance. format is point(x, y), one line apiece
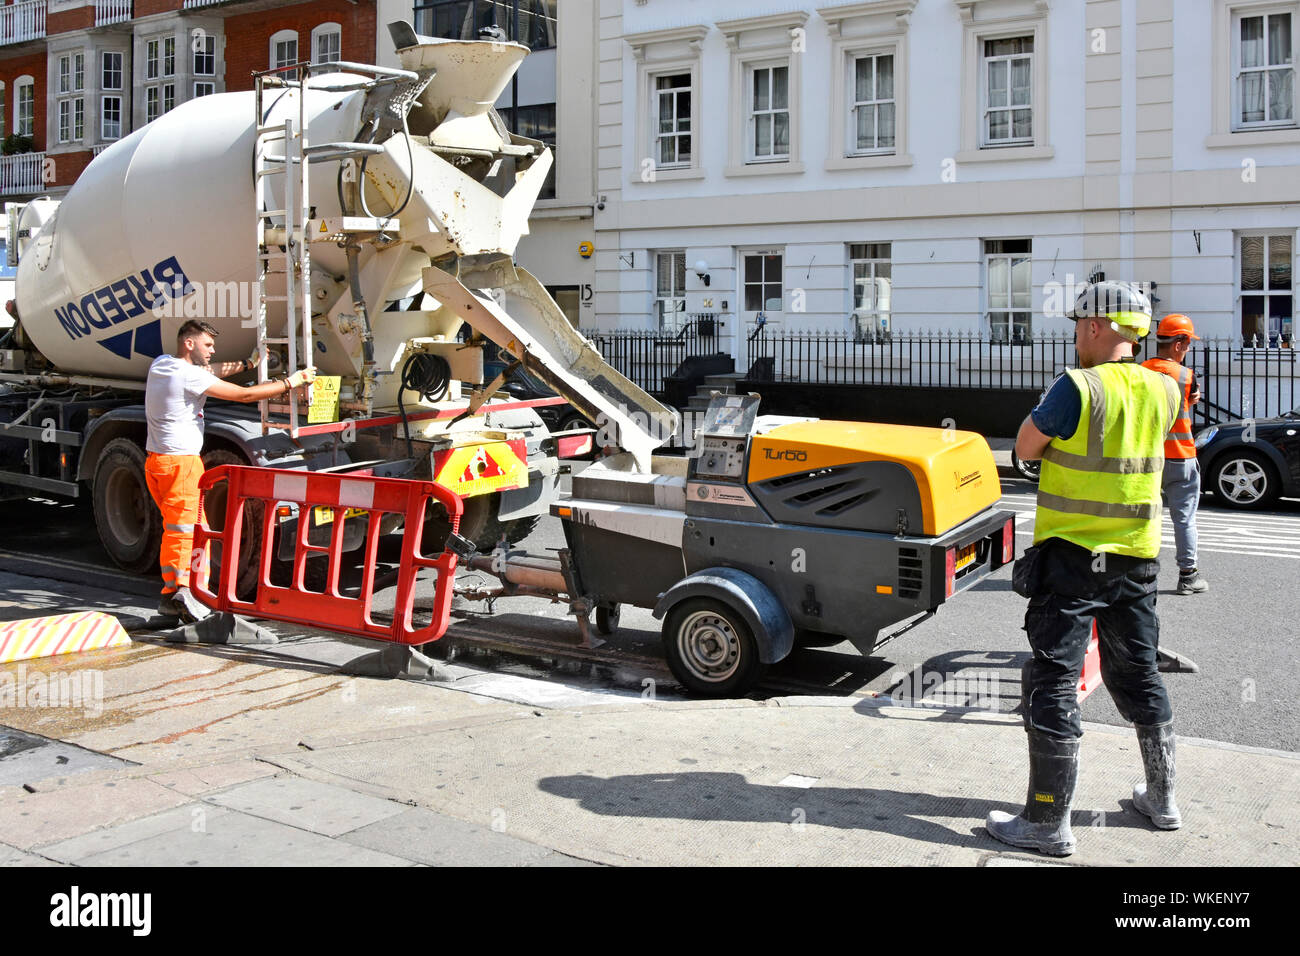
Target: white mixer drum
point(170, 204)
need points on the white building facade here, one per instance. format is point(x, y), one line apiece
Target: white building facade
point(947, 165)
point(556, 94)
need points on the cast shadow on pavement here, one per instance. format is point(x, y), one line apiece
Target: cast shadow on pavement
point(712, 797)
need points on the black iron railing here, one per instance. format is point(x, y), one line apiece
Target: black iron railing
point(649, 357)
point(1238, 379)
point(1243, 381)
point(938, 360)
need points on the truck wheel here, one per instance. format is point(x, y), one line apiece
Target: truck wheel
point(1244, 479)
point(250, 539)
point(129, 523)
point(479, 524)
point(710, 649)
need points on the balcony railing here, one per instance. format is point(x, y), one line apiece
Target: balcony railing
point(199, 3)
point(22, 173)
point(22, 21)
point(112, 11)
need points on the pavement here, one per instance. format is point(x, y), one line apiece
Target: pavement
point(264, 756)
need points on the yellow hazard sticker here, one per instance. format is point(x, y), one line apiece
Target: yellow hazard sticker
point(481, 469)
point(322, 226)
point(325, 515)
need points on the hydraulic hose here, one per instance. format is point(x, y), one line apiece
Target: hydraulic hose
point(430, 376)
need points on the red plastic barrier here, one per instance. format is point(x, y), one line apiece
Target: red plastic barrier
point(1090, 679)
point(342, 494)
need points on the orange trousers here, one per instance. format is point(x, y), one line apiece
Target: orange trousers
point(174, 483)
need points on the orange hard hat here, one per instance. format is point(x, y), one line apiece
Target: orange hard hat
point(1172, 326)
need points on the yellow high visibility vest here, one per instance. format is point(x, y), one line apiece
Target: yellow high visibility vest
point(1100, 488)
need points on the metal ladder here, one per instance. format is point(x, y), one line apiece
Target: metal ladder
point(288, 227)
point(281, 236)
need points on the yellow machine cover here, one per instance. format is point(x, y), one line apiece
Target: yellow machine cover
point(954, 470)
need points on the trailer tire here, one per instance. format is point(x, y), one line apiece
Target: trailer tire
point(127, 520)
point(250, 544)
point(710, 649)
point(607, 616)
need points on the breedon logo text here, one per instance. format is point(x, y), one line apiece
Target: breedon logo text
point(131, 296)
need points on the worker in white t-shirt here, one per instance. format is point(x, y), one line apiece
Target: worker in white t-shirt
point(174, 395)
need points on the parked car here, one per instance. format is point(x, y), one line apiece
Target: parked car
point(520, 384)
point(1249, 464)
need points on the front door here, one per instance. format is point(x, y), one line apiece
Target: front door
point(670, 289)
point(762, 300)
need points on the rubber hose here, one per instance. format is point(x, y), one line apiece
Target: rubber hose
point(430, 376)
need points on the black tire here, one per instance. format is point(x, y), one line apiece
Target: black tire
point(571, 421)
point(1244, 479)
point(1025, 469)
point(478, 523)
point(127, 520)
point(710, 649)
point(607, 618)
point(250, 543)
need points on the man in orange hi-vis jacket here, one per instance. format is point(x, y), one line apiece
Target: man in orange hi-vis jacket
point(1182, 477)
point(175, 391)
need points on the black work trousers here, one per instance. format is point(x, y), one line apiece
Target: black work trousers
point(1073, 587)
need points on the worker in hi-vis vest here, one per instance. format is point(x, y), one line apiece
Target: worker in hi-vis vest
point(1182, 478)
point(174, 394)
point(1100, 432)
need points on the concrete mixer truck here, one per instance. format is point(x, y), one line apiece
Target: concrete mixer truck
point(355, 218)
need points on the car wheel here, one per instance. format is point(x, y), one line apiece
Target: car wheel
point(1244, 479)
point(710, 649)
point(569, 422)
point(1025, 469)
point(130, 525)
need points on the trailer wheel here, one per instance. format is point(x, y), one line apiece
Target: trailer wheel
point(127, 520)
point(710, 649)
point(607, 618)
point(250, 543)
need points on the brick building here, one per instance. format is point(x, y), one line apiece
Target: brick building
point(78, 75)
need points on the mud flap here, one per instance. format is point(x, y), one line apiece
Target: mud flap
point(765, 616)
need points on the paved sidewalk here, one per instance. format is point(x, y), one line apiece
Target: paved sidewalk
point(227, 756)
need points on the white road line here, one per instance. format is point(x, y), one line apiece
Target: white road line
point(1246, 535)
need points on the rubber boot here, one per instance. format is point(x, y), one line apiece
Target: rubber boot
point(1155, 798)
point(191, 611)
point(1044, 824)
point(167, 606)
